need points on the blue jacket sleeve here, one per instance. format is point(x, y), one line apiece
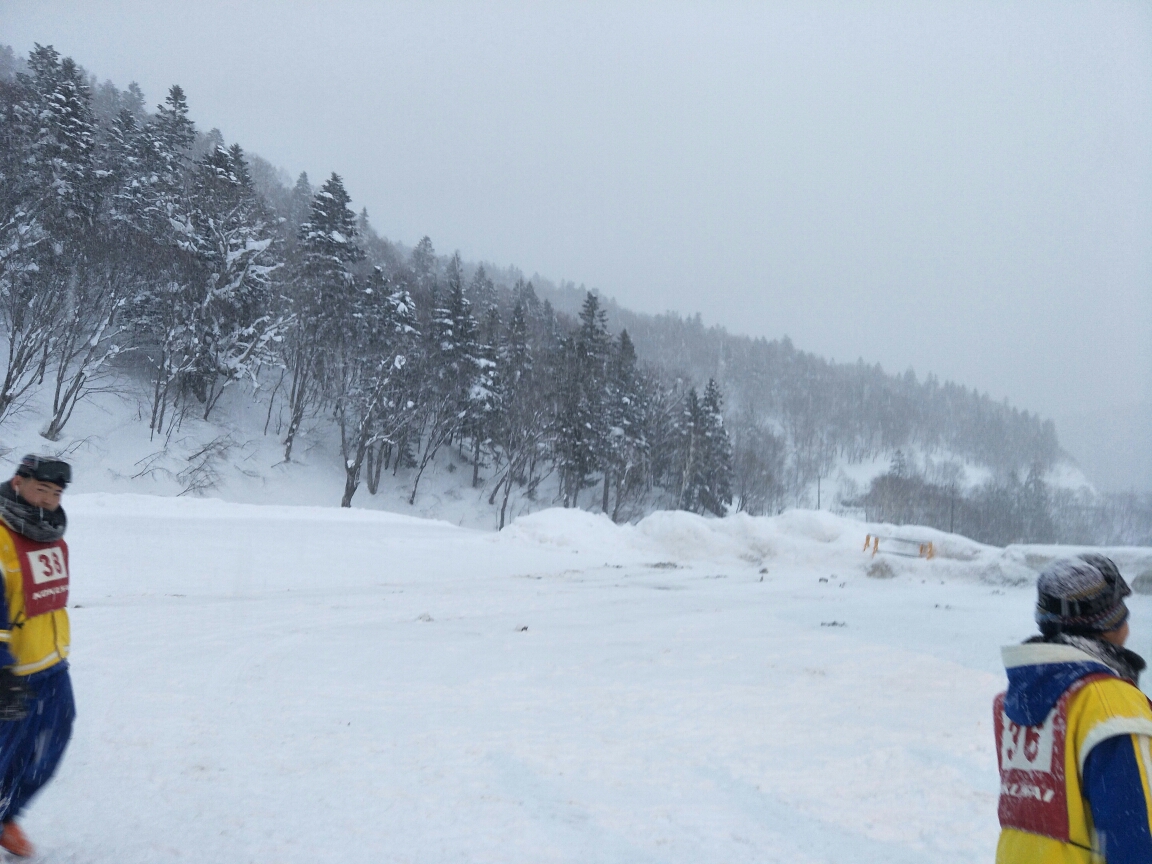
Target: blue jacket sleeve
point(6, 658)
point(1119, 798)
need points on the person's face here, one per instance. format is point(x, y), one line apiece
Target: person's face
point(1118, 636)
point(37, 492)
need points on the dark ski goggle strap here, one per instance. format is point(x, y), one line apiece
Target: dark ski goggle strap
point(46, 470)
point(1083, 608)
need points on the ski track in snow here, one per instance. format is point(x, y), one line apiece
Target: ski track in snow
point(297, 684)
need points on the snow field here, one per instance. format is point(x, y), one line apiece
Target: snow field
point(295, 684)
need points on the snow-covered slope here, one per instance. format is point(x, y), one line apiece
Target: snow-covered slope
point(297, 684)
point(238, 455)
point(235, 457)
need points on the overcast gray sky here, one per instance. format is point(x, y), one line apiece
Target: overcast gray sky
point(963, 188)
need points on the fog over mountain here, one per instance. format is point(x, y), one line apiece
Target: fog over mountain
point(964, 189)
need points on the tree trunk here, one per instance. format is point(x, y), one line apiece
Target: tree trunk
point(352, 465)
point(371, 470)
point(619, 489)
point(293, 426)
point(429, 453)
point(496, 488)
point(351, 484)
point(213, 396)
point(376, 462)
point(272, 399)
point(476, 463)
point(297, 401)
point(504, 503)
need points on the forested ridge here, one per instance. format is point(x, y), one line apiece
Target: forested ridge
point(137, 250)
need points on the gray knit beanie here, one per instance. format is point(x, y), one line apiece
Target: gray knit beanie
point(1081, 596)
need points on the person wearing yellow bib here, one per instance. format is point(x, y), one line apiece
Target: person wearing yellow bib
point(36, 706)
point(1073, 730)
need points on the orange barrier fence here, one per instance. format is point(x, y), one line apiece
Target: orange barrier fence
point(899, 546)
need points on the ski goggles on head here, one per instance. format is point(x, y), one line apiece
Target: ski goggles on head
point(46, 470)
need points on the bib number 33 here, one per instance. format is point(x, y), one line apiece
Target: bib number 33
point(47, 565)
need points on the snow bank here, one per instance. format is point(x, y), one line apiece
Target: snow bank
point(671, 539)
point(800, 537)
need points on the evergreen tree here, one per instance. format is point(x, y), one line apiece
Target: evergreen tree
point(482, 290)
point(690, 457)
point(424, 268)
point(48, 200)
point(520, 423)
point(156, 192)
point(581, 434)
point(626, 452)
point(758, 466)
point(369, 375)
point(299, 206)
point(484, 400)
point(59, 154)
point(92, 332)
point(716, 466)
point(454, 388)
point(706, 454)
point(227, 230)
point(155, 203)
point(1036, 507)
point(322, 298)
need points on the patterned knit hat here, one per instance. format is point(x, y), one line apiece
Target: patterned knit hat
point(1083, 595)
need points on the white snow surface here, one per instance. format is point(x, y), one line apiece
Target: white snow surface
point(260, 683)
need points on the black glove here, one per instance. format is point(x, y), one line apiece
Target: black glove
point(14, 693)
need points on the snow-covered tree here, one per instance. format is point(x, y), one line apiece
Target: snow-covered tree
point(322, 293)
point(454, 385)
point(520, 424)
point(626, 446)
point(715, 493)
point(482, 290)
point(369, 379)
point(580, 438)
point(155, 203)
point(705, 454)
point(425, 267)
point(757, 466)
point(47, 205)
point(227, 231)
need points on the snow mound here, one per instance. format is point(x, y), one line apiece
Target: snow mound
point(803, 537)
point(565, 528)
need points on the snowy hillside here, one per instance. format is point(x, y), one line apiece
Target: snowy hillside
point(156, 260)
point(296, 684)
point(232, 457)
point(235, 457)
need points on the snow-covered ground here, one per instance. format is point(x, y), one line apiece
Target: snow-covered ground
point(300, 684)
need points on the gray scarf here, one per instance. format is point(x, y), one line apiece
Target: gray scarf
point(1127, 664)
point(35, 523)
